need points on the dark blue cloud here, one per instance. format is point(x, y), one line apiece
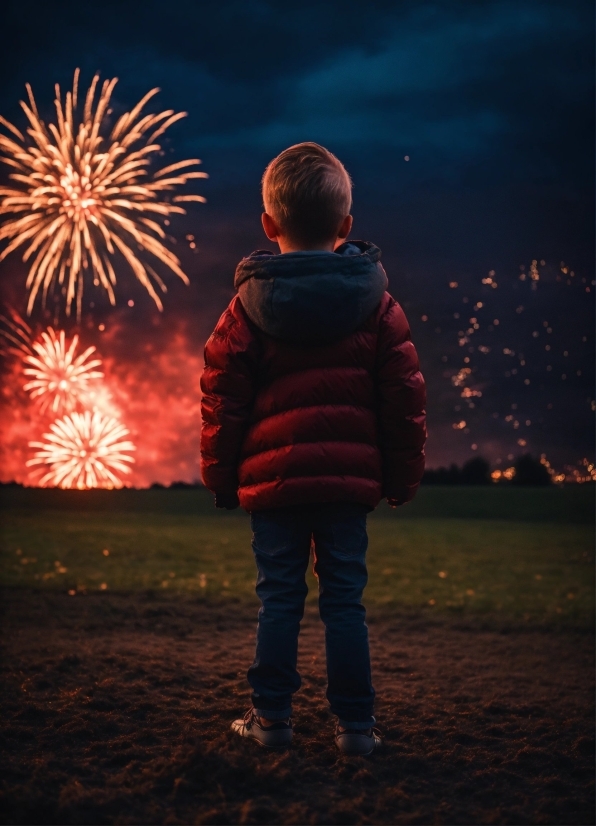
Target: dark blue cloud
point(448, 83)
point(424, 83)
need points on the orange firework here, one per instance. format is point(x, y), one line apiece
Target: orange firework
point(58, 378)
point(79, 199)
point(84, 450)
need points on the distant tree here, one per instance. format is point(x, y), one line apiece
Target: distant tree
point(451, 475)
point(157, 486)
point(442, 476)
point(530, 471)
point(475, 472)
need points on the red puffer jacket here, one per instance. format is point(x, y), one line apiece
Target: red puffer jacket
point(332, 412)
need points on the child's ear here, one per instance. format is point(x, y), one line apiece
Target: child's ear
point(271, 229)
point(345, 227)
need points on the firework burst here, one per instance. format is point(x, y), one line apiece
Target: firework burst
point(84, 450)
point(59, 379)
point(80, 199)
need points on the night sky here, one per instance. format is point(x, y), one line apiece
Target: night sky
point(468, 131)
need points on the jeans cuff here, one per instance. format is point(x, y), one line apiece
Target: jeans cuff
point(357, 725)
point(274, 714)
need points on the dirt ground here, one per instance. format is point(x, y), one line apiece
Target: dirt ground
point(117, 709)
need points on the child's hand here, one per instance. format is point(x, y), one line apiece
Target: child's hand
point(402, 496)
point(228, 501)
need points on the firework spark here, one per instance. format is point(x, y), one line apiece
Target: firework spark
point(84, 450)
point(16, 333)
point(80, 199)
point(59, 379)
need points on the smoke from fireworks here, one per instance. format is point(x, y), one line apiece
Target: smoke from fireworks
point(80, 199)
point(59, 378)
point(83, 450)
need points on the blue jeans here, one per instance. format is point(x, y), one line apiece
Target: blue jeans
point(281, 544)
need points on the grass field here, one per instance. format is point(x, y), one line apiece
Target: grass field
point(517, 553)
point(128, 625)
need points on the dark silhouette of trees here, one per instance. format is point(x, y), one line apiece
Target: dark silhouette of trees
point(530, 471)
point(475, 472)
point(442, 476)
point(178, 485)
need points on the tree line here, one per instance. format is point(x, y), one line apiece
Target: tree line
point(476, 471)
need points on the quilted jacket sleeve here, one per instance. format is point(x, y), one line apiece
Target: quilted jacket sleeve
point(402, 400)
point(228, 385)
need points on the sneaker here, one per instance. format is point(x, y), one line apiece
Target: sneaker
point(358, 741)
point(275, 736)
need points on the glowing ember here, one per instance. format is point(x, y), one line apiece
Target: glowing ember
point(80, 199)
point(59, 379)
point(84, 450)
point(507, 474)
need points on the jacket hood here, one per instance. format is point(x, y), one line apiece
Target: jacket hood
point(311, 297)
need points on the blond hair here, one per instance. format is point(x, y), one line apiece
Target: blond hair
point(308, 192)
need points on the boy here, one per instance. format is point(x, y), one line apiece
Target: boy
point(313, 410)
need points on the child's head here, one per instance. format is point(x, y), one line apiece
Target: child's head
point(307, 195)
